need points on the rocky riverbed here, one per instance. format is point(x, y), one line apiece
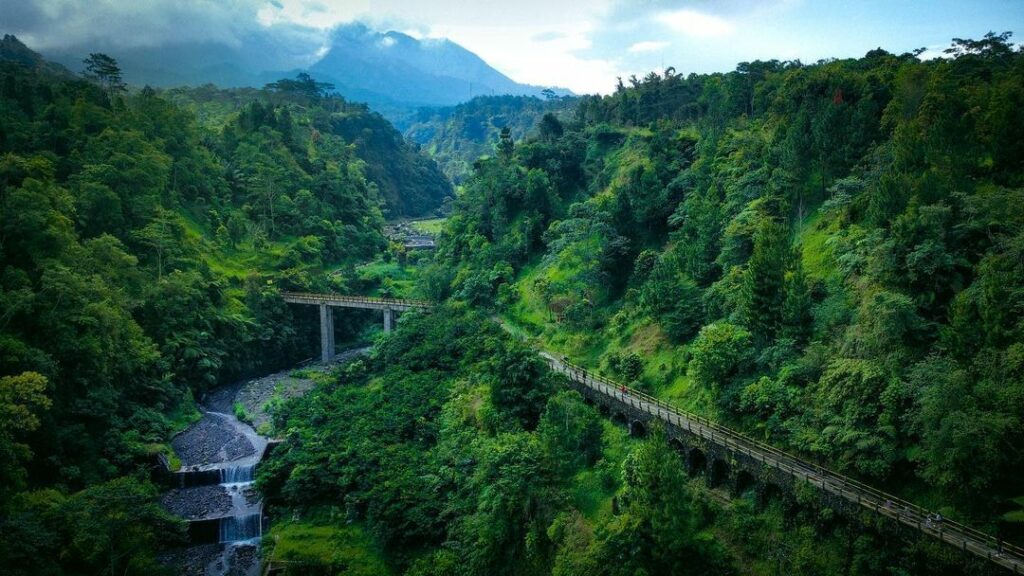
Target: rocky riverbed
point(198, 503)
point(219, 441)
point(255, 396)
point(214, 560)
point(211, 440)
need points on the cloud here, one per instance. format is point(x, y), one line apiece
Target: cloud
point(647, 46)
point(697, 24)
point(54, 24)
point(547, 36)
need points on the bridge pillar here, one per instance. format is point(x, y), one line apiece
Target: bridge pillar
point(389, 319)
point(326, 333)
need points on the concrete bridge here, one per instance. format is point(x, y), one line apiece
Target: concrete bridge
point(328, 302)
point(722, 454)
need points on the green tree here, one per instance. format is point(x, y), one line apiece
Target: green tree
point(22, 398)
point(103, 69)
point(764, 282)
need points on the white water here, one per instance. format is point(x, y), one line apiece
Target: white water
point(241, 528)
point(237, 474)
point(244, 526)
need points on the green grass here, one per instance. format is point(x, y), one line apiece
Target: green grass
point(390, 279)
point(432, 226)
point(324, 540)
point(818, 259)
point(594, 488)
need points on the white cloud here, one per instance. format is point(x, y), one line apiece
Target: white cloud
point(647, 46)
point(693, 23)
point(554, 62)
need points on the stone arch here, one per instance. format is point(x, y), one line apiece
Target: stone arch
point(619, 418)
point(745, 482)
point(603, 409)
point(637, 428)
point(719, 473)
point(769, 492)
point(696, 462)
point(680, 448)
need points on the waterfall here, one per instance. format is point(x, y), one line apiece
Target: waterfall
point(241, 528)
point(237, 474)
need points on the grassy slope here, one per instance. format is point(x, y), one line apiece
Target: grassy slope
point(322, 538)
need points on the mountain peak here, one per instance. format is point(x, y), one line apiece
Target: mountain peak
point(399, 68)
point(14, 50)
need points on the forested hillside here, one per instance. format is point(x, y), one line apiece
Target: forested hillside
point(142, 253)
point(408, 182)
point(457, 136)
point(827, 255)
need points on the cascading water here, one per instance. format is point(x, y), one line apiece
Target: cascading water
point(241, 528)
point(237, 474)
point(246, 519)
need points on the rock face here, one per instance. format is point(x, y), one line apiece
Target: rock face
point(211, 441)
point(199, 503)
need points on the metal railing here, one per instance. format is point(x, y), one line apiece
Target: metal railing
point(327, 298)
point(907, 513)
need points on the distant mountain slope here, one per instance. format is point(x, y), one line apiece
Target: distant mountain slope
point(399, 68)
point(409, 183)
point(13, 50)
point(392, 72)
point(457, 136)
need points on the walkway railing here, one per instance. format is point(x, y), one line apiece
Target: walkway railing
point(341, 300)
point(964, 537)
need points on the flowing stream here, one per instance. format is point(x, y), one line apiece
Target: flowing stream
point(244, 524)
point(214, 489)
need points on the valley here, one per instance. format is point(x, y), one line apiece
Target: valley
point(761, 321)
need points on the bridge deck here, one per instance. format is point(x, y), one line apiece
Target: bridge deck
point(964, 537)
point(365, 302)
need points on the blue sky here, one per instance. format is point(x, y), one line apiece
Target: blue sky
point(581, 44)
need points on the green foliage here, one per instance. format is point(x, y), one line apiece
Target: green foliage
point(718, 354)
point(459, 135)
point(830, 252)
point(111, 528)
point(22, 397)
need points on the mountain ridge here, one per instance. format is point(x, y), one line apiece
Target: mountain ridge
point(391, 71)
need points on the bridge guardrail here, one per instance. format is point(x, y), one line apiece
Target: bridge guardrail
point(328, 297)
point(908, 513)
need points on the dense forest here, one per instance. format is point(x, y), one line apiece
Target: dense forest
point(408, 182)
point(142, 254)
point(458, 136)
point(826, 256)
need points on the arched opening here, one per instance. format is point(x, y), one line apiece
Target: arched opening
point(619, 419)
point(603, 410)
point(768, 493)
point(696, 462)
point(679, 447)
point(719, 473)
point(637, 429)
point(745, 483)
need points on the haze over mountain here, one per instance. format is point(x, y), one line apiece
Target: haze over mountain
point(391, 71)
